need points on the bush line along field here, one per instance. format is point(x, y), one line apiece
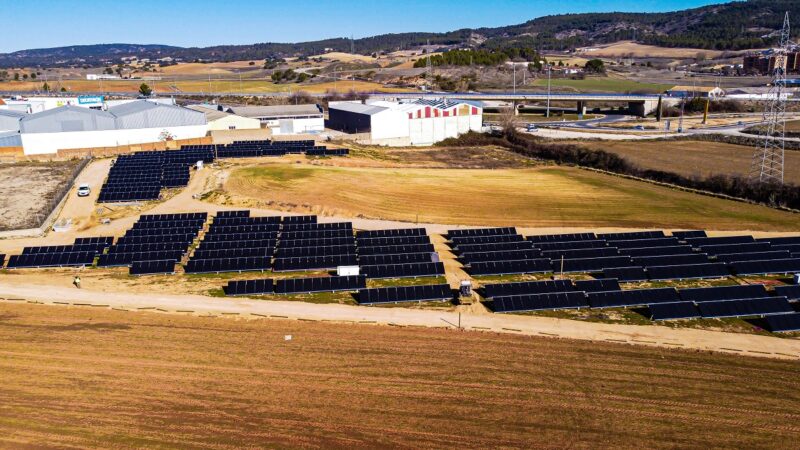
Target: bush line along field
point(84, 377)
point(548, 196)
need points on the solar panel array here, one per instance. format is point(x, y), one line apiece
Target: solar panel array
point(82, 252)
point(160, 239)
point(296, 285)
point(235, 242)
point(400, 294)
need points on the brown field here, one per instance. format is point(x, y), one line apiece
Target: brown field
point(93, 378)
point(693, 158)
point(216, 68)
point(344, 57)
point(27, 190)
point(625, 48)
point(532, 197)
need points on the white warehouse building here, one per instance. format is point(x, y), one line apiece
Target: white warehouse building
point(421, 122)
point(72, 127)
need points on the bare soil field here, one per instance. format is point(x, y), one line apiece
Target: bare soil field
point(693, 158)
point(626, 48)
point(28, 188)
point(546, 196)
point(92, 378)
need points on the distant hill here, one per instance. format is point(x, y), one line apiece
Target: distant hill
point(729, 26)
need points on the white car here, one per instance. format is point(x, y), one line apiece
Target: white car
point(84, 190)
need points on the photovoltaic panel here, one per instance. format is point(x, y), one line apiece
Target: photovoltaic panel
point(229, 221)
point(256, 236)
point(708, 294)
point(244, 264)
point(539, 302)
point(315, 234)
point(792, 292)
point(368, 234)
point(723, 249)
point(297, 252)
point(689, 234)
point(396, 249)
point(495, 247)
point(591, 264)
point(320, 284)
point(65, 259)
point(671, 260)
point(637, 297)
point(657, 251)
point(773, 266)
point(783, 322)
point(567, 237)
point(673, 311)
point(402, 258)
point(598, 285)
point(249, 287)
point(238, 213)
point(396, 240)
point(697, 242)
point(232, 253)
point(631, 235)
point(397, 294)
point(510, 255)
point(687, 272)
point(527, 288)
point(317, 226)
point(785, 240)
point(152, 267)
point(793, 248)
point(457, 241)
point(117, 259)
point(403, 270)
point(573, 245)
point(581, 253)
point(481, 232)
point(322, 242)
point(743, 308)
point(299, 219)
point(314, 262)
point(640, 243)
point(756, 256)
point(222, 245)
point(105, 240)
point(510, 267)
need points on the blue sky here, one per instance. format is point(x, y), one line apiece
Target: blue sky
point(199, 23)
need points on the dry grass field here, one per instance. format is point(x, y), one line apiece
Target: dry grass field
point(693, 158)
point(28, 188)
point(93, 378)
point(626, 48)
point(534, 197)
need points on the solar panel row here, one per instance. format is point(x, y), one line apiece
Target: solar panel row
point(537, 302)
point(397, 294)
point(403, 270)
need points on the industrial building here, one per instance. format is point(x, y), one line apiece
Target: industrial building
point(420, 122)
point(696, 92)
point(763, 63)
point(220, 120)
point(72, 127)
point(285, 119)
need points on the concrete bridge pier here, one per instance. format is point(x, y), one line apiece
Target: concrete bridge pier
point(581, 110)
point(643, 108)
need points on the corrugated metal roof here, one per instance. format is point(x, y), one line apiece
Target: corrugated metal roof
point(10, 139)
point(277, 111)
point(67, 118)
point(358, 108)
point(144, 114)
point(211, 114)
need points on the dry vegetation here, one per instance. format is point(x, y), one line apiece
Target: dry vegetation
point(88, 378)
point(626, 49)
point(28, 190)
point(529, 197)
point(693, 158)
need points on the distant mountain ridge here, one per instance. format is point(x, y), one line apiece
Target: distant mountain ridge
point(729, 26)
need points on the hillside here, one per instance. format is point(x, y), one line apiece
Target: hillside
point(729, 26)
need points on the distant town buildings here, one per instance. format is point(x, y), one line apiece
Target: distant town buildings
point(763, 63)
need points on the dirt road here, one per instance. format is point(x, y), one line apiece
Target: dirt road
point(753, 345)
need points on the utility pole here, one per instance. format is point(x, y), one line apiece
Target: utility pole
point(767, 164)
point(515, 77)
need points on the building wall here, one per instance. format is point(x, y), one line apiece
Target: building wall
point(297, 126)
point(237, 122)
point(389, 124)
point(349, 122)
point(48, 143)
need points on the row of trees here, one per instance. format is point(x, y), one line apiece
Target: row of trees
point(4, 75)
point(481, 57)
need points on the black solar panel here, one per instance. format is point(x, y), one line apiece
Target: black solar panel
point(791, 292)
point(314, 262)
point(299, 219)
point(255, 236)
point(785, 240)
point(494, 247)
point(245, 264)
point(742, 308)
point(599, 285)
point(632, 235)
point(320, 284)
point(105, 240)
point(396, 294)
point(367, 234)
point(774, 266)
point(581, 253)
point(591, 264)
point(756, 256)
point(125, 259)
point(152, 267)
point(657, 251)
point(539, 302)
point(223, 245)
point(635, 297)
point(287, 227)
point(697, 242)
point(527, 287)
point(411, 270)
point(393, 240)
point(687, 272)
point(239, 213)
point(722, 249)
point(249, 287)
point(626, 274)
point(510, 267)
point(793, 248)
point(316, 234)
point(572, 245)
point(567, 237)
point(671, 260)
point(469, 240)
point(783, 322)
point(232, 253)
point(296, 252)
point(673, 311)
point(402, 258)
point(229, 221)
point(323, 242)
point(509, 255)
point(396, 249)
point(642, 243)
point(481, 232)
point(689, 234)
point(709, 294)
point(66, 259)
